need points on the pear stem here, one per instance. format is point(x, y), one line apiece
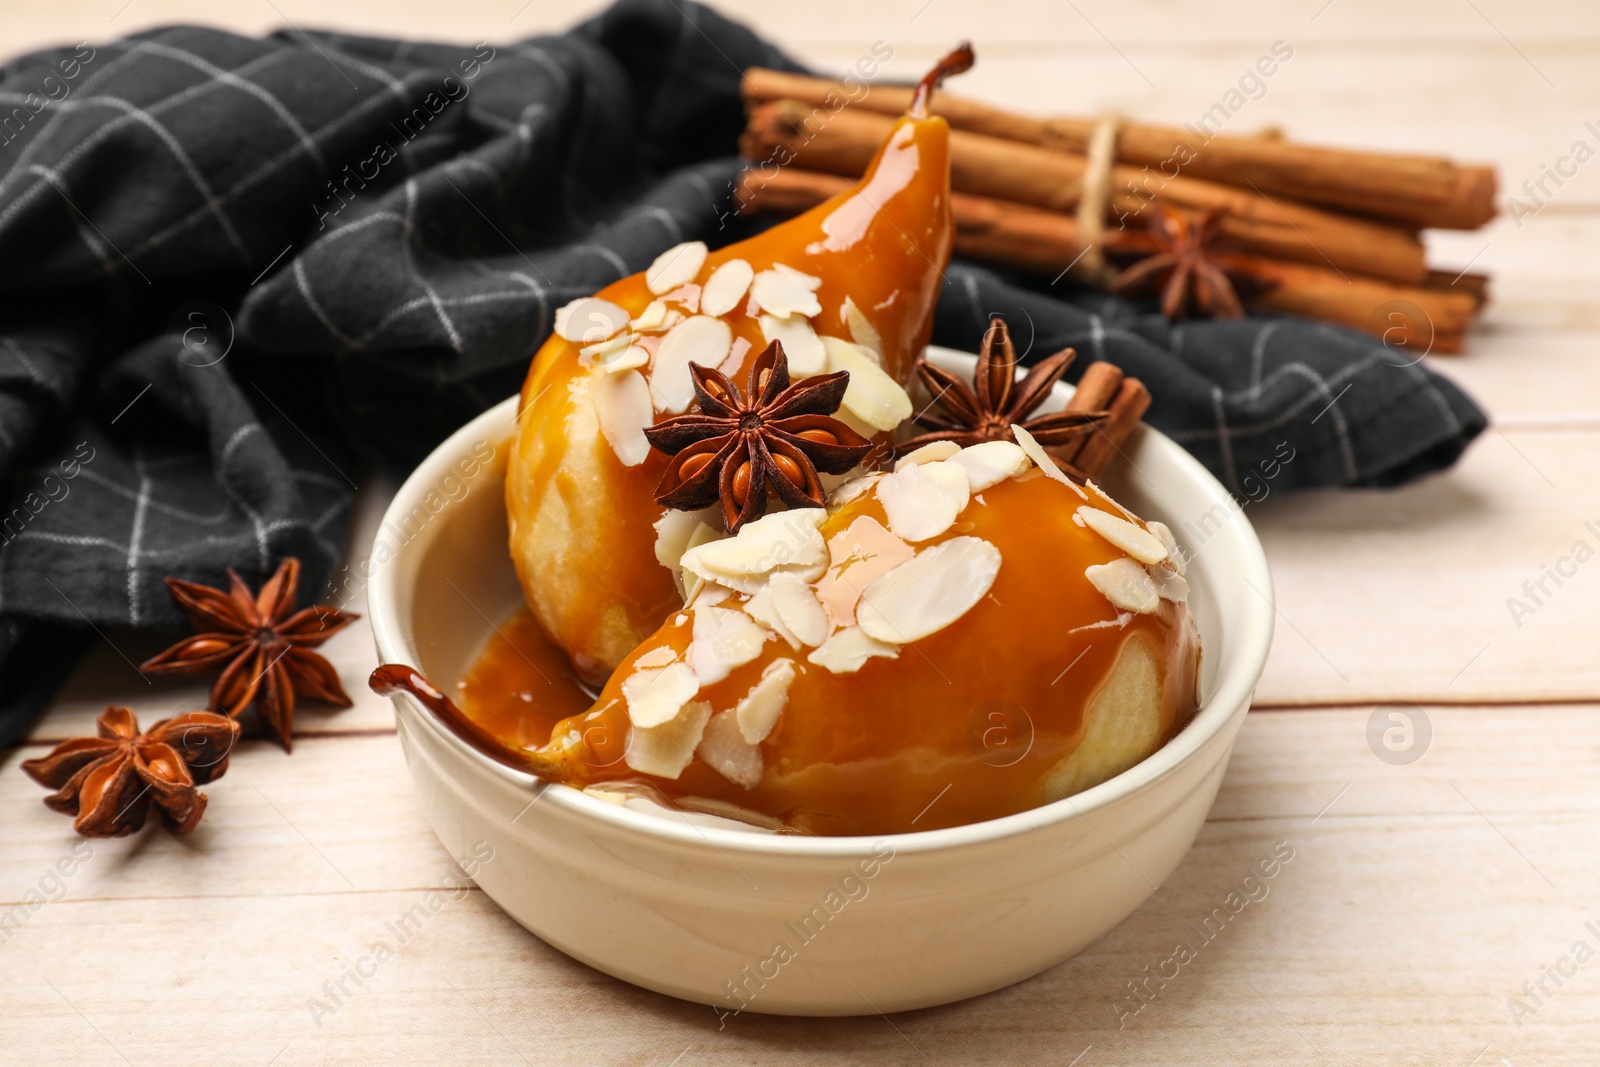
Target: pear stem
point(961, 59)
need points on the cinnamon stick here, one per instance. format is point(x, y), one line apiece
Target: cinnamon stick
point(1097, 388)
point(1418, 190)
point(1022, 237)
point(1415, 319)
point(786, 131)
point(1105, 444)
point(1474, 284)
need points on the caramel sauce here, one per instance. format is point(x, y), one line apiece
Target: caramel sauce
point(582, 524)
point(964, 725)
point(522, 684)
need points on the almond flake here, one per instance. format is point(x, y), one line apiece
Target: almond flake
point(590, 319)
point(763, 607)
point(1042, 458)
point(989, 463)
point(862, 332)
point(830, 482)
point(726, 287)
point(858, 554)
point(780, 294)
point(604, 353)
point(1169, 583)
point(723, 639)
point(782, 541)
point(704, 594)
point(653, 315)
point(1132, 539)
point(673, 531)
point(697, 339)
point(684, 300)
point(622, 404)
point(929, 591)
point(810, 281)
point(932, 452)
point(799, 609)
point(848, 490)
point(657, 657)
point(634, 358)
point(871, 395)
point(1170, 543)
point(665, 750)
point(1125, 584)
point(923, 501)
point(704, 533)
point(675, 266)
point(758, 711)
point(800, 343)
point(729, 754)
point(847, 650)
point(656, 694)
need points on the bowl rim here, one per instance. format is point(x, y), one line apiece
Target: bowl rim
point(1235, 685)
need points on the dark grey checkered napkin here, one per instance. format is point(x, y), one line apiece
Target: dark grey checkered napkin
point(234, 273)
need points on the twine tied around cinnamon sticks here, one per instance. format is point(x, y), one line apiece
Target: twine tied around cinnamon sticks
point(1095, 198)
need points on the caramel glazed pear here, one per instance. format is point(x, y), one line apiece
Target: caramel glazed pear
point(779, 633)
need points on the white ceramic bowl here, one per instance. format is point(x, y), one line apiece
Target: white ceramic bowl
point(805, 925)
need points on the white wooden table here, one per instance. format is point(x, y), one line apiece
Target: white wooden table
point(1421, 897)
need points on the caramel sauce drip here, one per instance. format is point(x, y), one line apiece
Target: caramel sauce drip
point(391, 678)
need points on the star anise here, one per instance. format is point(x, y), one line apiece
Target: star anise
point(1186, 262)
point(779, 435)
point(999, 401)
point(110, 781)
point(264, 651)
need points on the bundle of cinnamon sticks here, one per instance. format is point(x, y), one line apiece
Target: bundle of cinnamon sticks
point(1334, 233)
